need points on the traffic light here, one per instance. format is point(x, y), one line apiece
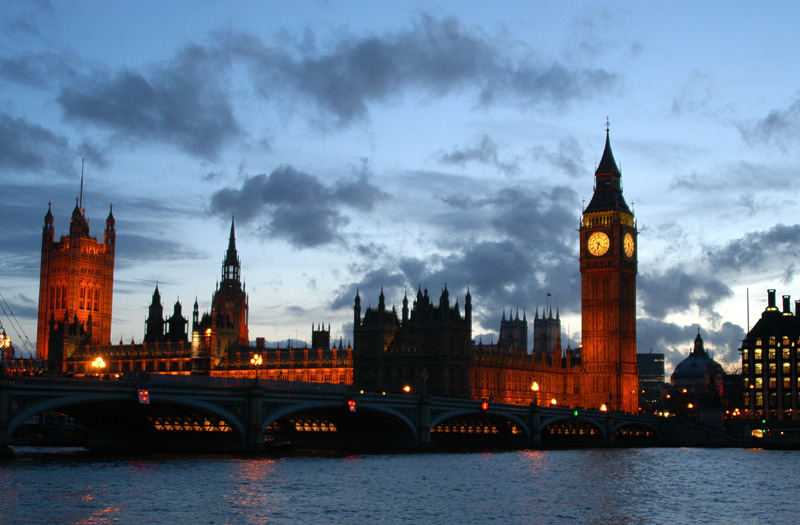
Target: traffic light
point(351, 404)
point(484, 405)
point(575, 413)
point(144, 397)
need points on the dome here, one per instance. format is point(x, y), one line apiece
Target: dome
point(695, 367)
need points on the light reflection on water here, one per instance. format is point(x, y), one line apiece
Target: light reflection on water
point(580, 486)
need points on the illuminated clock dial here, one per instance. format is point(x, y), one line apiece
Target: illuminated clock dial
point(629, 245)
point(598, 243)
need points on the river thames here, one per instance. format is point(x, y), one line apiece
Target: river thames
point(651, 485)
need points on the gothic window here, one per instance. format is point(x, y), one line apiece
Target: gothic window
point(773, 383)
point(772, 353)
point(786, 369)
point(759, 369)
point(786, 353)
point(772, 368)
point(96, 302)
point(758, 354)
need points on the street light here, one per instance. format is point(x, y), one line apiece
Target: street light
point(407, 389)
point(535, 389)
point(256, 361)
point(98, 363)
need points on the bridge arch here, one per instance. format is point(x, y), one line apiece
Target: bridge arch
point(78, 405)
point(571, 431)
point(307, 422)
point(470, 428)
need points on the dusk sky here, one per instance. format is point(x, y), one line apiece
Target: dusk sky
point(363, 145)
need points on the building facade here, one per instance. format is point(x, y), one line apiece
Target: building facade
point(771, 364)
point(225, 328)
point(76, 286)
point(608, 264)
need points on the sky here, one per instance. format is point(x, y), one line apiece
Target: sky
point(382, 145)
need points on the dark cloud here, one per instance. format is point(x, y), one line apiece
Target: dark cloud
point(28, 147)
point(677, 290)
point(778, 247)
point(434, 56)
point(181, 103)
point(485, 152)
point(37, 70)
point(781, 127)
point(297, 206)
point(568, 157)
point(132, 250)
point(677, 341)
point(369, 289)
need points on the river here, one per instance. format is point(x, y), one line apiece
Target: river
point(650, 485)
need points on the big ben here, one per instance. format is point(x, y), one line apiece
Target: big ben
point(608, 262)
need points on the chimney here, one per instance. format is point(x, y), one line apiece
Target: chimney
point(797, 308)
point(771, 299)
point(787, 302)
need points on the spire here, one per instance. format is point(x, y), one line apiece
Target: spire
point(608, 184)
point(231, 265)
point(607, 162)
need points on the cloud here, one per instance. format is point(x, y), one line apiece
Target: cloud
point(779, 246)
point(781, 127)
point(677, 341)
point(298, 207)
point(695, 96)
point(524, 249)
point(38, 70)
point(676, 290)
point(434, 56)
point(485, 152)
point(568, 157)
point(182, 103)
point(28, 147)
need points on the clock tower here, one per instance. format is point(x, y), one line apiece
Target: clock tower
point(608, 261)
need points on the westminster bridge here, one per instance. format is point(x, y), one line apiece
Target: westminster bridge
point(194, 413)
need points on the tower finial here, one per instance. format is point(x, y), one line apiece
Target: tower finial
point(80, 205)
point(608, 124)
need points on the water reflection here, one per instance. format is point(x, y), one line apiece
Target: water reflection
point(584, 486)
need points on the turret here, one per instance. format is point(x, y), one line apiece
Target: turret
point(110, 234)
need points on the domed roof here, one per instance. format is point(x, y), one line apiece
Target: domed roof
point(696, 365)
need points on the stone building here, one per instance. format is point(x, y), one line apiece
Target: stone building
point(76, 286)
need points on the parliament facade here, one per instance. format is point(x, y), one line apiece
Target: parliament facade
point(425, 348)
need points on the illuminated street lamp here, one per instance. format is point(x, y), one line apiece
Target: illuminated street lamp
point(98, 364)
point(603, 408)
point(256, 361)
point(535, 389)
point(553, 402)
point(407, 389)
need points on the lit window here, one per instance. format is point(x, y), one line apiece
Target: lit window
point(773, 383)
point(772, 368)
point(747, 382)
point(786, 354)
point(758, 368)
point(772, 353)
point(745, 354)
point(759, 399)
point(787, 369)
point(759, 382)
point(758, 354)
point(787, 383)
point(745, 367)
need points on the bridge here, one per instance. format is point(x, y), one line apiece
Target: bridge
point(192, 413)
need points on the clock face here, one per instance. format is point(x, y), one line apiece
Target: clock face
point(598, 243)
point(629, 245)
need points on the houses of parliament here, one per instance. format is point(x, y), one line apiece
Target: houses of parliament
point(427, 346)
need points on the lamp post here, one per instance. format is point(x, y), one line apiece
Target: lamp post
point(535, 389)
point(256, 361)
